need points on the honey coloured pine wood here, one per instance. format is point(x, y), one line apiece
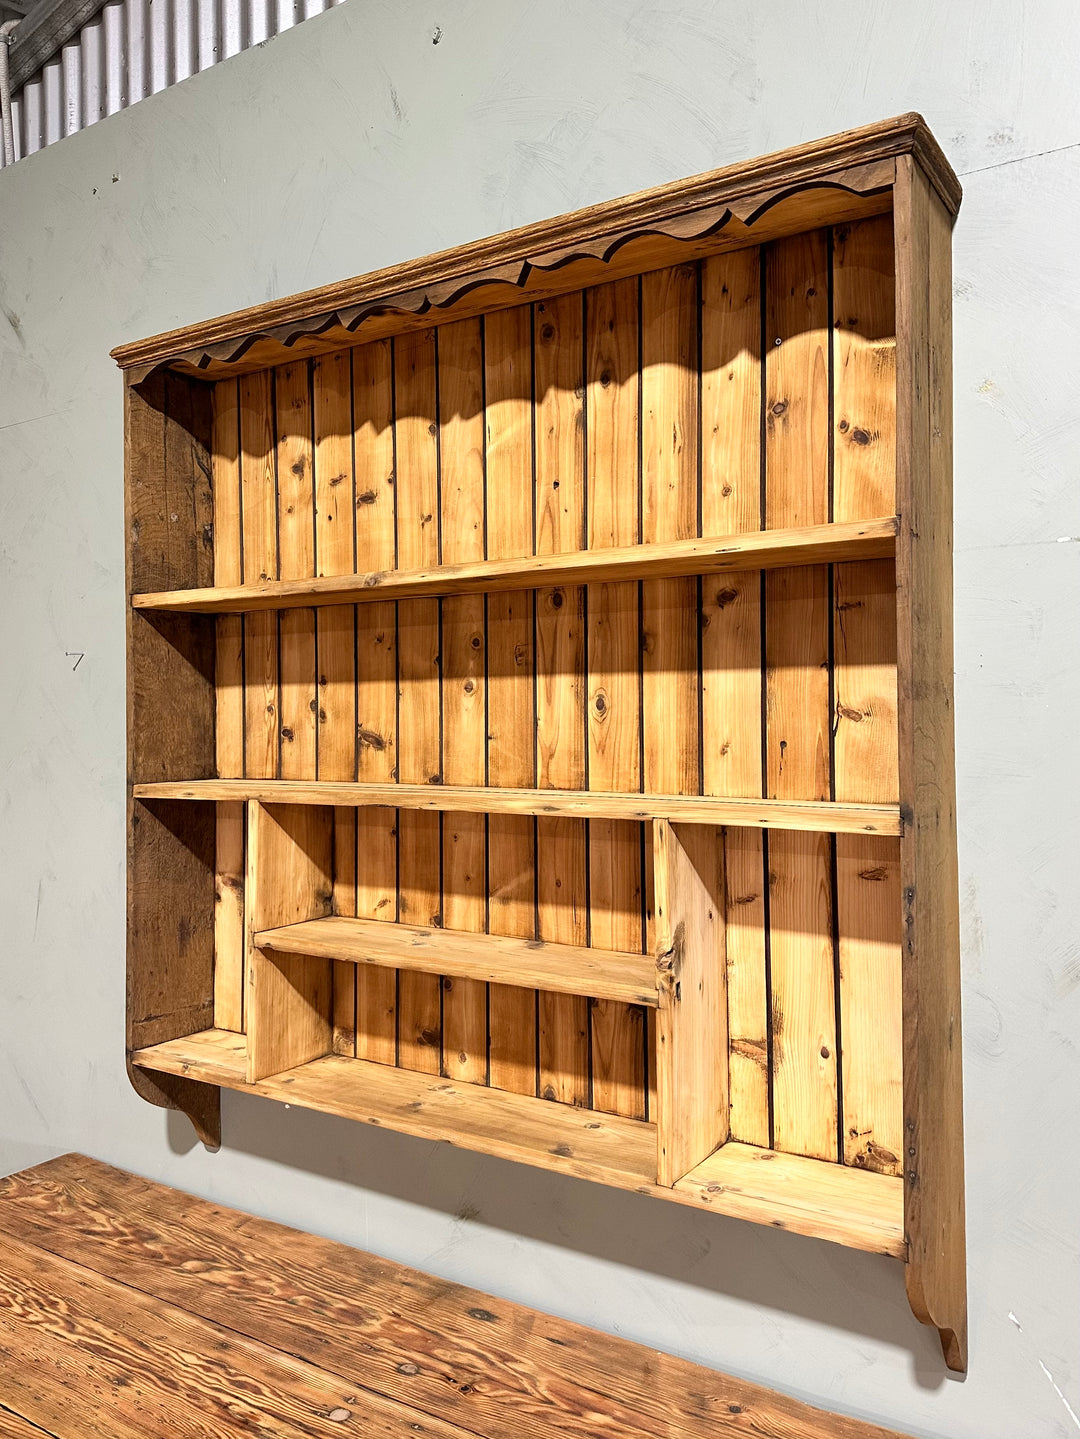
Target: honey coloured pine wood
point(540, 719)
point(226, 1324)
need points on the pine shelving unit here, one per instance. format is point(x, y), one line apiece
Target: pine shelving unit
point(540, 726)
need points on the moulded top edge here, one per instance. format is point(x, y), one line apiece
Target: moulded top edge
point(681, 210)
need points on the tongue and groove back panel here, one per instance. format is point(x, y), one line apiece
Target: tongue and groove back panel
point(750, 389)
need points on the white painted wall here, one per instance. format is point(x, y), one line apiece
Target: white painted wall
point(352, 142)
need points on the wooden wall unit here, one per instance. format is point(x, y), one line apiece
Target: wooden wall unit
point(540, 720)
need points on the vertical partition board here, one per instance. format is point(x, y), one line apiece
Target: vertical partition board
point(416, 428)
point(617, 1032)
point(933, 1116)
point(511, 688)
point(259, 511)
point(692, 1032)
point(798, 719)
point(229, 730)
point(464, 688)
point(561, 844)
point(376, 686)
point(289, 879)
point(731, 656)
point(335, 640)
point(171, 847)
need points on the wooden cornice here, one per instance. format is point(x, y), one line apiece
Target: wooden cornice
point(739, 204)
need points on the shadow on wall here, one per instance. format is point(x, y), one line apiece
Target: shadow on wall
point(808, 1278)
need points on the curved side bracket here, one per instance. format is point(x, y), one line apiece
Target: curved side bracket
point(200, 1102)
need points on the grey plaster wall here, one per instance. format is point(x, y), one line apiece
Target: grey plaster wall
point(355, 141)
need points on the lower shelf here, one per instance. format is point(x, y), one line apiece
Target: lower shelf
point(808, 1196)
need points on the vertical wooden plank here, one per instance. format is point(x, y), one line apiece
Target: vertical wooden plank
point(335, 554)
point(296, 560)
point(797, 699)
point(933, 1113)
point(289, 879)
point(562, 912)
point(416, 427)
point(617, 1031)
point(669, 420)
point(376, 687)
point(731, 656)
point(511, 755)
point(229, 727)
point(692, 1037)
point(258, 488)
point(670, 442)
point(464, 691)
point(865, 728)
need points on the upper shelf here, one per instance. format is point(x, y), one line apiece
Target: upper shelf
point(761, 550)
point(815, 816)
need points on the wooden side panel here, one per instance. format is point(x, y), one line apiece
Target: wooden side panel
point(335, 554)
point(229, 728)
point(616, 916)
point(802, 959)
point(731, 656)
point(171, 848)
point(933, 1113)
point(464, 687)
point(258, 483)
point(416, 428)
point(289, 879)
point(376, 686)
point(511, 754)
point(561, 844)
point(692, 1028)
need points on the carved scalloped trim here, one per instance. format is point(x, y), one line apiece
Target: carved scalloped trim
point(692, 226)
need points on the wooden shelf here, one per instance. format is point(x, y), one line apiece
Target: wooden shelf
point(769, 549)
point(527, 963)
point(827, 1201)
point(808, 815)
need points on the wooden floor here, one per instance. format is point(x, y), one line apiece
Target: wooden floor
point(129, 1310)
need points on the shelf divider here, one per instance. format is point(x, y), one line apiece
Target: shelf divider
point(490, 958)
point(766, 549)
point(815, 816)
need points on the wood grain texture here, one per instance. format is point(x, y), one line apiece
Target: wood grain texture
point(717, 553)
point(865, 157)
point(465, 955)
point(692, 1025)
point(335, 553)
point(463, 700)
point(798, 719)
point(561, 843)
point(731, 659)
point(90, 1356)
point(511, 751)
point(512, 1367)
point(171, 858)
point(416, 431)
point(376, 684)
point(933, 1115)
point(258, 485)
point(296, 560)
point(229, 721)
point(289, 879)
point(617, 1035)
point(793, 814)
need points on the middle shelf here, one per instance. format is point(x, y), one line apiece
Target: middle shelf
point(821, 816)
point(526, 963)
point(764, 549)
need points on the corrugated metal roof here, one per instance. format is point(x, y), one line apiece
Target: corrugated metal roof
point(134, 48)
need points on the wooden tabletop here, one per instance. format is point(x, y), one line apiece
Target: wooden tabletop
point(129, 1311)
